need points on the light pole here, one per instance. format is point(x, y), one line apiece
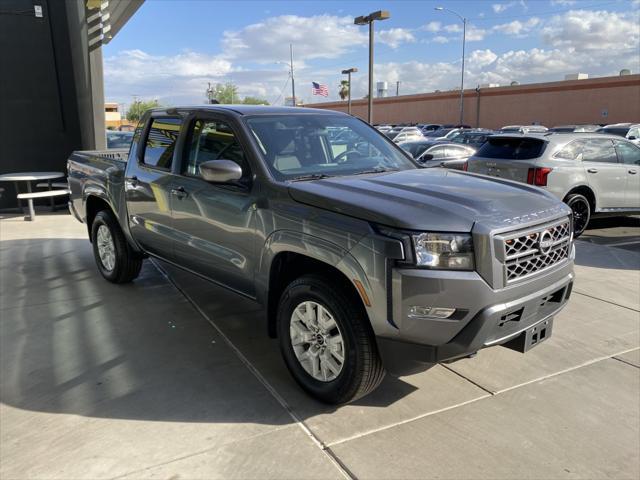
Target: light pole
point(293, 82)
point(364, 20)
point(464, 39)
point(348, 72)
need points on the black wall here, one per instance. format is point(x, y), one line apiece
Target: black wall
point(39, 110)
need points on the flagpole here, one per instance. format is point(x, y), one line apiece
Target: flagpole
point(293, 83)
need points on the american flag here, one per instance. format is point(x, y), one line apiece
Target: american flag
point(320, 89)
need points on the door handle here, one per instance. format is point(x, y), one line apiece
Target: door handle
point(592, 170)
point(633, 172)
point(179, 192)
point(133, 181)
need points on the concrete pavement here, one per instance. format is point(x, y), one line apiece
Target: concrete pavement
point(172, 377)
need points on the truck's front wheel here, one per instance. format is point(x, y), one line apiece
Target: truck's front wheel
point(116, 261)
point(326, 341)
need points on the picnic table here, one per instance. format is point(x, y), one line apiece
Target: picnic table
point(30, 195)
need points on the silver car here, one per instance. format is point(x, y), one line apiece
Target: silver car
point(592, 173)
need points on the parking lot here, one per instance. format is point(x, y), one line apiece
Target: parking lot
point(172, 377)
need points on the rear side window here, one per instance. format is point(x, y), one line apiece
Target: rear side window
point(161, 142)
point(628, 153)
point(570, 151)
point(512, 148)
point(599, 150)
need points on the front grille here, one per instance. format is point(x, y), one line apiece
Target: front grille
point(530, 251)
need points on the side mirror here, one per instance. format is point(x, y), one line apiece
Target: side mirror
point(426, 157)
point(220, 171)
point(632, 137)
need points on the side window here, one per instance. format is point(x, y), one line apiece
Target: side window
point(213, 140)
point(453, 152)
point(634, 133)
point(570, 151)
point(629, 154)
point(437, 152)
point(161, 141)
point(597, 150)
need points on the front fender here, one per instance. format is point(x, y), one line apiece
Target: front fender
point(313, 247)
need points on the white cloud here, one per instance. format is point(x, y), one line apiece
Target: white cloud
point(319, 36)
point(440, 39)
point(517, 27)
point(475, 34)
point(563, 3)
point(433, 27)
point(452, 28)
point(481, 58)
point(501, 7)
point(394, 37)
point(594, 30)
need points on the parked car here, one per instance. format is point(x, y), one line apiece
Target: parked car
point(574, 128)
point(407, 136)
point(592, 173)
point(362, 261)
point(630, 131)
point(117, 139)
point(435, 153)
point(472, 137)
point(524, 129)
point(440, 133)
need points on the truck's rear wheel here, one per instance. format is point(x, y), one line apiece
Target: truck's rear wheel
point(116, 261)
point(326, 341)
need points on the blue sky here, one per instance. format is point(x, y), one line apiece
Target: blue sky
point(169, 50)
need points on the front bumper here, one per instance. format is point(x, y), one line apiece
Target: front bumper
point(484, 317)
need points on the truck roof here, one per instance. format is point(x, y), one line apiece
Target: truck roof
point(250, 109)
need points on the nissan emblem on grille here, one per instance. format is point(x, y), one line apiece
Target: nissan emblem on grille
point(532, 250)
point(545, 243)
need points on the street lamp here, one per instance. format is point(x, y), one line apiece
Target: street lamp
point(348, 72)
point(364, 20)
point(464, 38)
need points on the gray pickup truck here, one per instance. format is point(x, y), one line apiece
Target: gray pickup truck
point(363, 261)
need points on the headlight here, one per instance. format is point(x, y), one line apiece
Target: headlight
point(447, 251)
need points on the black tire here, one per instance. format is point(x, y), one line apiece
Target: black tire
point(581, 209)
point(362, 370)
point(127, 262)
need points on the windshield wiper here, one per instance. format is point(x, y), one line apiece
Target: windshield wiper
point(376, 170)
point(311, 176)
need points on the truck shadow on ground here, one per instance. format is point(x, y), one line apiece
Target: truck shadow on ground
point(72, 343)
point(621, 238)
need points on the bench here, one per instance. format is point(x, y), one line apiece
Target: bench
point(32, 195)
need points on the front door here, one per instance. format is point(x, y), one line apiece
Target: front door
point(148, 182)
point(605, 175)
point(215, 223)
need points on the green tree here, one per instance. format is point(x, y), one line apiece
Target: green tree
point(344, 89)
point(137, 108)
point(225, 93)
point(254, 101)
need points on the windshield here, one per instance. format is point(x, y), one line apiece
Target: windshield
point(621, 132)
point(299, 146)
point(415, 148)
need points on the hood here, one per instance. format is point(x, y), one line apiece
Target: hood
point(433, 199)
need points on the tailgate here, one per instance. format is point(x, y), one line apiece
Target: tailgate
point(507, 157)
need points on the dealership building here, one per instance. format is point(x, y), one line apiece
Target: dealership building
point(52, 90)
point(582, 101)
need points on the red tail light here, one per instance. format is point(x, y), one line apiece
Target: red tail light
point(465, 166)
point(538, 176)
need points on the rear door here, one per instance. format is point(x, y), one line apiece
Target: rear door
point(508, 157)
point(629, 156)
point(216, 222)
point(148, 182)
point(606, 177)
